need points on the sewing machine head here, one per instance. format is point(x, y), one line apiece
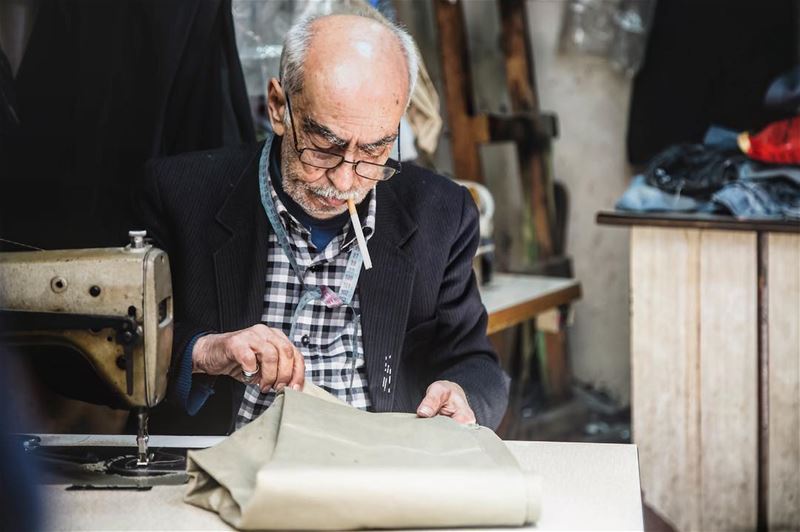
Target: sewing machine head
point(113, 305)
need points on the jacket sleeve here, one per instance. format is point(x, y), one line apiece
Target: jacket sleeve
point(154, 218)
point(465, 355)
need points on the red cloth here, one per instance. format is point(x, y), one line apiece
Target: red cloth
point(779, 142)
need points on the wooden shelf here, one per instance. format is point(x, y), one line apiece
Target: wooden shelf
point(696, 221)
point(511, 299)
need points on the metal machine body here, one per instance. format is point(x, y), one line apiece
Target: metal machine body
point(113, 305)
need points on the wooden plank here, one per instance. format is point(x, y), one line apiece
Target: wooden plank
point(729, 374)
point(519, 59)
point(556, 375)
point(783, 278)
point(465, 131)
point(532, 160)
point(664, 269)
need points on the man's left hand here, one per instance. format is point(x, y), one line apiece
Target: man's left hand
point(446, 398)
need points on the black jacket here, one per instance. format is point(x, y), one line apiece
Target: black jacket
point(421, 311)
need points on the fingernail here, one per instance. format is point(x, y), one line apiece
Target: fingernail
point(296, 387)
point(425, 411)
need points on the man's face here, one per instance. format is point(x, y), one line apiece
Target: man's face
point(355, 85)
point(323, 193)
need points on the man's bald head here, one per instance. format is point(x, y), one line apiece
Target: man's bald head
point(345, 52)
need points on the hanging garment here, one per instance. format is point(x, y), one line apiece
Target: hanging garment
point(103, 87)
point(312, 462)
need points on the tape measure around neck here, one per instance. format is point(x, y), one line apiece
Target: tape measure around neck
point(354, 260)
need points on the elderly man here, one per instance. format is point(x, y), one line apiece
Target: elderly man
point(268, 275)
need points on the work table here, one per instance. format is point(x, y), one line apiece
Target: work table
point(585, 486)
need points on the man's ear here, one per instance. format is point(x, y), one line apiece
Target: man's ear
point(276, 107)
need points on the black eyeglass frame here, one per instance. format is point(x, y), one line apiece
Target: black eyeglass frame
point(395, 166)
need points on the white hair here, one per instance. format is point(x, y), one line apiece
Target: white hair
point(298, 39)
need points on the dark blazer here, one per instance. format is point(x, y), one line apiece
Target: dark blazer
point(422, 316)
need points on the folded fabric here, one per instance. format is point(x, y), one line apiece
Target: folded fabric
point(761, 199)
point(641, 197)
point(312, 462)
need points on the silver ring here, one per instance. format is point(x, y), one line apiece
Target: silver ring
point(248, 375)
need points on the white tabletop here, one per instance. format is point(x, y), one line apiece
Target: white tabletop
point(586, 487)
point(507, 289)
point(511, 299)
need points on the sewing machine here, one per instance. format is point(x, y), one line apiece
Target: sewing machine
point(113, 305)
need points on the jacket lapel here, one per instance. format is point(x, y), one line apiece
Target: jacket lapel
point(385, 296)
point(240, 259)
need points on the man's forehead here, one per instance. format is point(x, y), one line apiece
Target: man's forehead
point(370, 138)
point(368, 116)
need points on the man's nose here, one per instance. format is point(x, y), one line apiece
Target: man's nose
point(343, 177)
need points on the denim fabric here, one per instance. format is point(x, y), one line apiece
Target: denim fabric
point(770, 199)
point(762, 192)
point(752, 170)
point(721, 138)
point(641, 197)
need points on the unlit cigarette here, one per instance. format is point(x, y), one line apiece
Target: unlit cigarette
point(362, 242)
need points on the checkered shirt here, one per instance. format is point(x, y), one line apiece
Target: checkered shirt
point(334, 356)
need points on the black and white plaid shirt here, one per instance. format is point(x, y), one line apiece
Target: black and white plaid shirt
point(334, 356)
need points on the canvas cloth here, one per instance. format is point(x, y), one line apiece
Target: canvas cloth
point(312, 462)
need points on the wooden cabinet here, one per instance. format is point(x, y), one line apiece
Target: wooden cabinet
point(715, 347)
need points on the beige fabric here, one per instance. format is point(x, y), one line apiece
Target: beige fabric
point(312, 462)
point(423, 111)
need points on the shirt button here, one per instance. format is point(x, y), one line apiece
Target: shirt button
point(305, 340)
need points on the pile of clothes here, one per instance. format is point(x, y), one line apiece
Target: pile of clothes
point(747, 176)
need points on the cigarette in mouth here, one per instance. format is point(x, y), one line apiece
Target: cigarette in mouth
point(362, 242)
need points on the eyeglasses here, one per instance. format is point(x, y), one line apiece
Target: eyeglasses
point(327, 160)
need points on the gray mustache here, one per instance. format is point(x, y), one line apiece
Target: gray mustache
point(330, 192)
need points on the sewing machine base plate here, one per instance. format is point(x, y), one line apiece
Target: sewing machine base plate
point(107, 467)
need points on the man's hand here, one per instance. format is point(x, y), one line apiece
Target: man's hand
point(258, 347)
point(446, 398)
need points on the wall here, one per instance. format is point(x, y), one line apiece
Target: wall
point(591, 101)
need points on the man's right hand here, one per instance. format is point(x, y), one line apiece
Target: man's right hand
point(258, 347)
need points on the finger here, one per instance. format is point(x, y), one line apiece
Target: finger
point(274, 336)
point(463, 414)
point(285, 368)
point(286, 351)
point(268, 356)
point(284, 348)
point(435, 397)
point(457, 406)
point(243, 356)
point(299, 373)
